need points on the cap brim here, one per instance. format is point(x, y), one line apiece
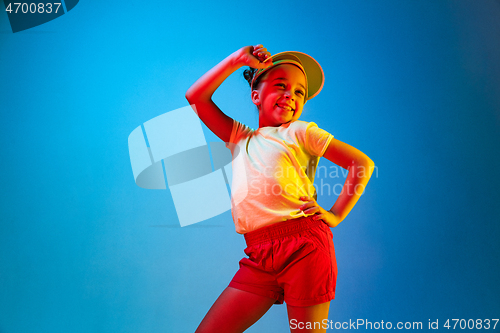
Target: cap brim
point(314, 72)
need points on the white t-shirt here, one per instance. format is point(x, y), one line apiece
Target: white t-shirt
point(272, 168)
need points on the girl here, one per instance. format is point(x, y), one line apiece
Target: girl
point(289, 243)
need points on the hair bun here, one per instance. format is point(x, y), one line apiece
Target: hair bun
point(248, 75)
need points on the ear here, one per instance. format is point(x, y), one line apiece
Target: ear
point(255, 97)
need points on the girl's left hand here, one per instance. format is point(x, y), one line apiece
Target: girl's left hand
point(312, 207)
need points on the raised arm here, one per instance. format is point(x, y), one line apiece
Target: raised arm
point(199, 95)
point(360, 169)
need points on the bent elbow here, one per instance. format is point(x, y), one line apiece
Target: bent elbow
point(366, 165)
point(194, 96)
point(363, 161)
point(189, 95)
point(370, 163)
point(370, 166)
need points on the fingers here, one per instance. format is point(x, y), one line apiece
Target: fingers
point(310, 207)
point(318, 216)
point(261, 53)
point(312, 210)
point(306, 198)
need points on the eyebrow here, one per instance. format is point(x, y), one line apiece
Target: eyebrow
point(284, 78)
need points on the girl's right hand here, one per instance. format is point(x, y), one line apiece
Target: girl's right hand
point(254, 56)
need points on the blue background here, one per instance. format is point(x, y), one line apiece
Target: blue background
point(413, 84)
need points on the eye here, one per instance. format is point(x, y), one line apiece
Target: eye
point(300, 92)
point(280, 85)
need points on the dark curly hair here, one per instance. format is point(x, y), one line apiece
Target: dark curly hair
point(248, 74)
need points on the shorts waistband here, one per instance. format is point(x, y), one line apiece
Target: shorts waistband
point(280, 229)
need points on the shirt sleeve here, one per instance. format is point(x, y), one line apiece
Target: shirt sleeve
point(238, 132)
point(316, 140)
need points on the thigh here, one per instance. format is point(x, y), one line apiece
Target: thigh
point(308, 318)
point(309, 274)
point(234, 311)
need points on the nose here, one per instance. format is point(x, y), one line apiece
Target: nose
point(288, 95)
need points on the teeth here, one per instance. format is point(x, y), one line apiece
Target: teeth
point(285, 107)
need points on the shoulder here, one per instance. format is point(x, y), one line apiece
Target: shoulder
point(300, 127)
point(314, 139)
point(239, 132)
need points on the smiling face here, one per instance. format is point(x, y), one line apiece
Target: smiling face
point(280, 96)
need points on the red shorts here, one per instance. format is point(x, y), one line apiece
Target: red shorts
point(291, 261)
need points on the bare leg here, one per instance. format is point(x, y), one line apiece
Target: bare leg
point(234, 311)
point(314, 315)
